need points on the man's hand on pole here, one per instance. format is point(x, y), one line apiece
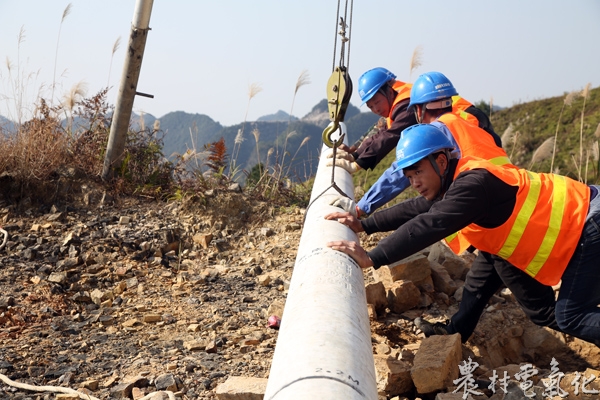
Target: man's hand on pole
point(354, 250)
point(347, 149)
point(345, 218)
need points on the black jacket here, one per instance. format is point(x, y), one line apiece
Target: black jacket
point(476, 196)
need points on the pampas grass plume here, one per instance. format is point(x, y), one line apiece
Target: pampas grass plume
point(570, 97)
point(76, 93)
point(586, 91)
point(416, 60)
point(253, 90)
point(66, 12)
point(303, 79)
point(239, 138)
point(543, 151)
point(508, 135)
point(291, 135)
point(304, 141)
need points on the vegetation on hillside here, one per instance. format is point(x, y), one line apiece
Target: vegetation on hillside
point(58, 141)
point(558, 134)
point(569, 122)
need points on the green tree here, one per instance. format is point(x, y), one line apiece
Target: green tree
point(483, 106)
point(255, 174)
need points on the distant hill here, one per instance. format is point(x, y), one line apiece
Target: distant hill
point(6, 125)
point(185, 131)
point(181, 131)
point(524, 127)
point(279, 116)
point(192, 131)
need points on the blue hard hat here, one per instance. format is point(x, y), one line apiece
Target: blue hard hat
point(417, 142)
point(431, 86)
point(371, 81)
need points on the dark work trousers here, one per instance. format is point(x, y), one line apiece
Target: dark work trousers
point(488, 274)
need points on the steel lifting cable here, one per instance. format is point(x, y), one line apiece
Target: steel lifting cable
point(343, 25)
point(344, 63)
point(332, 185)
point(339, 85)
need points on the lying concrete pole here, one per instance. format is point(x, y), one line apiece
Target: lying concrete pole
point(324, 348)
point(127, 89)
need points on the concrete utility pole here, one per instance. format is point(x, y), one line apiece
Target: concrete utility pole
point(323, 347)
point(127, 89)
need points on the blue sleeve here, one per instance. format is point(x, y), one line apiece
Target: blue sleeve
point(389, 185)
point(448, 134)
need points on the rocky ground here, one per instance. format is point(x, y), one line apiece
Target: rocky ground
point(122, 298)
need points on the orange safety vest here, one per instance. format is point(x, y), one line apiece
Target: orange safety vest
point(472, 141)
point(544, 228)
point(459, 104)
point(402, 93)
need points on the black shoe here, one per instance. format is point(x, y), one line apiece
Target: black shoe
point(431, 328)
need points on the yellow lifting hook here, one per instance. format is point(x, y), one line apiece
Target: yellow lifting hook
point(339, 91)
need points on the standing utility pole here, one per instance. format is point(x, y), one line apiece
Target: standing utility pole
point(127, 89)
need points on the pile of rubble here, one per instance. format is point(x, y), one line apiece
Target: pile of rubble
point(138, 299)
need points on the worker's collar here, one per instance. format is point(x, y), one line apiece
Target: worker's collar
point(452, 164)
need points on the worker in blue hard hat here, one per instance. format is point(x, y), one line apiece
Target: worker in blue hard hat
point(389, 98)
point(429, 87)
point(509, 214)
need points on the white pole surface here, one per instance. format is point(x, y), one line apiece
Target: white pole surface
point(141, 14)
point(324, 348)
point(128, 87)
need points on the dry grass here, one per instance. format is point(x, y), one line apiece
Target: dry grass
point(543, 152)
point(303, 79)
point(253, 90)
point(510, 138)
point(37, 151)
point(115, 47)
point(46, 151)
point(256, 134)
point(65, 13)
point(567, 102)
point(508, 135)
point(585, 94)
point(416, 60)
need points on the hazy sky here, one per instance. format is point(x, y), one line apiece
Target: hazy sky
point(201, 56)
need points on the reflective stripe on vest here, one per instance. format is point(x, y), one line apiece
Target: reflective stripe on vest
point(472, 141)
point(543, 231)
point(459, 105)
point(524, 215)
